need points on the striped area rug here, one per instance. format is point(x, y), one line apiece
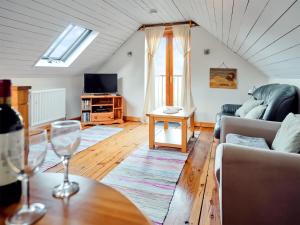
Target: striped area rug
point(148, 178)
point(89, 137)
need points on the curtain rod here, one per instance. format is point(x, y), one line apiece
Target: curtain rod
point(190, 22)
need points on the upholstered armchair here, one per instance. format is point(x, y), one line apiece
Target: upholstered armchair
point(256, 185)
point(279, 99)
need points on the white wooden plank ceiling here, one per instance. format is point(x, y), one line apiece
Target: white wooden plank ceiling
point(264, 32)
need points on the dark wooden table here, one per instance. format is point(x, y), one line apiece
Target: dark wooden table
point(95, 203)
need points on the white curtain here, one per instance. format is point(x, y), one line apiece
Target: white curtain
point(153, 37)
point(182, 37)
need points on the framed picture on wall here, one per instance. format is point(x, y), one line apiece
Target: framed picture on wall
point(223, 78)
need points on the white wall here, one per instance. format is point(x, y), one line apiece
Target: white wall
point(130, 72)
point(73, 85)
point(295, 82)
point(208, 101)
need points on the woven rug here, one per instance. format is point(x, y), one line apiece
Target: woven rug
point(148, 178)
point(89, 137)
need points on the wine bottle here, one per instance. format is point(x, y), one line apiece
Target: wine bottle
point(12, 141)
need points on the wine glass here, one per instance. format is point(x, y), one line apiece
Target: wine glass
point(25, 156)
point(65, 138)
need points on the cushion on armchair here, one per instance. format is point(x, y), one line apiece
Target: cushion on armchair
point(287, 138)
point(247, 106)
point(255, 142)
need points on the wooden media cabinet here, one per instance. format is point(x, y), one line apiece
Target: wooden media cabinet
point(20, 102)
point(101, 109)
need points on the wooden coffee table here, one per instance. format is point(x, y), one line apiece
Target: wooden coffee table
point(94, 204)
point(176, 138)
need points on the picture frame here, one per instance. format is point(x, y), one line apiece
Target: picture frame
point(225, 78)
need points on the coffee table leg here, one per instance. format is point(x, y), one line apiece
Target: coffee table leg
point(192, 124)
point(166, 125)
point(184, 136)
point(151, 132)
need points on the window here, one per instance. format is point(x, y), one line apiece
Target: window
point(67, 47)
point(168, 62)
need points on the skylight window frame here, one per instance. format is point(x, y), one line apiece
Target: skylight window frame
point(72, 51)
point(57, 42)
point(75, 45)
point(72, 47)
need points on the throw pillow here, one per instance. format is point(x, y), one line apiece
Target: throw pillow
point(247, 106)
point(287, 138)
point(256, 112)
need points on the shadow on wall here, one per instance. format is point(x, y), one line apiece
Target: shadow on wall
point(120, 85)
point(298, 90)
point(120, 91)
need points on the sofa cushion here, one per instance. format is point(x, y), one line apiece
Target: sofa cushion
point(247, 106)
point(287, 138)
point(255, 142)
point(257, 112)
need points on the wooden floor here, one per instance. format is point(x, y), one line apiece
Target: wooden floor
point(195, 199)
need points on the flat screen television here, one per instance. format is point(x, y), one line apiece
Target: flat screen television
point(100, 83)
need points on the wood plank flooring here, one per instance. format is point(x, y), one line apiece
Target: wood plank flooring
point(195, 199)
point(210, 211)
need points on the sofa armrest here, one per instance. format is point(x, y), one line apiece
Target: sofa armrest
point(249, 127)
point(230, 108)
point(259, 186)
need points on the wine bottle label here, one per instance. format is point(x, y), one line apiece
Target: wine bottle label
point(12, 145)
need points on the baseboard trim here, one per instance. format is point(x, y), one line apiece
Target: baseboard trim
point(47, 125)
point(75, 118)
point(132, 118)
point(205, 124)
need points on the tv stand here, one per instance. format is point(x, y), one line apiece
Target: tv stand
point(101, 94)
point(101, 109)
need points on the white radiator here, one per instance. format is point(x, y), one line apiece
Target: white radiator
point(47, 105)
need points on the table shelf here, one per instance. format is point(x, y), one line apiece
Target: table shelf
point(171, 136)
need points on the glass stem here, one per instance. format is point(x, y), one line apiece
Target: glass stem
point(26, 191)
point(66, 170)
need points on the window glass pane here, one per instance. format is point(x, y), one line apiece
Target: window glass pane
point(160, 72)
point(67, 42)
point(58, 40)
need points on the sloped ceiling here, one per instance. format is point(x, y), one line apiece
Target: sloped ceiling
point(264, 32)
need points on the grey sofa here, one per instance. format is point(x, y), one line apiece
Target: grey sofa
point(280, 99)
point(256, 186)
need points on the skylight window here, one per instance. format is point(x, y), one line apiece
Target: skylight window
point(67, 47)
